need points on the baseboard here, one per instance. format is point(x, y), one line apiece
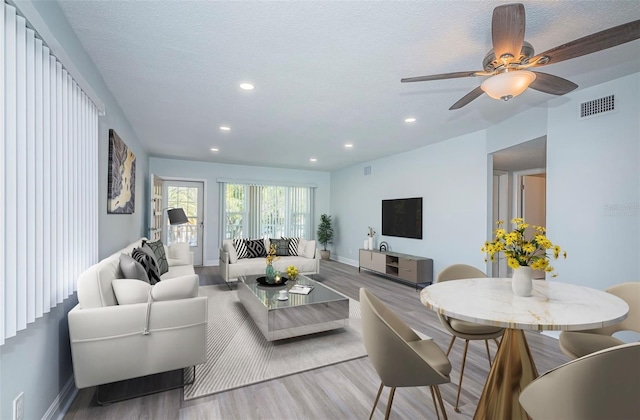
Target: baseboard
point(62, 402)
point(209, 263)
point(348, 261)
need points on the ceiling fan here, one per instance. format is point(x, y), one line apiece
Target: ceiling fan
point(511, 56)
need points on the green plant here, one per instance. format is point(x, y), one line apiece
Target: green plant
point(325, 231)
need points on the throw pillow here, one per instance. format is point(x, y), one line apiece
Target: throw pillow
point(129, 291)
point(293, 246)
point(132, 269)
point(282, 247)
point(227, 246)
point(241, 248)
point(161, 257)
point(255, 248)
point(147, 260)
point(309, 249)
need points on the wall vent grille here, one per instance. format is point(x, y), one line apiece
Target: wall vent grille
point(367, 170)
point(597, 107)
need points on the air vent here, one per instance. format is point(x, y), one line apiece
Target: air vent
point(597, 107)
point(367, 170)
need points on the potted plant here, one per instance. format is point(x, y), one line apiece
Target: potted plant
point(325, 235)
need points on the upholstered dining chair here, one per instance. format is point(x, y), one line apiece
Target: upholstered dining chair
point(399, 355)
point(468, 331)
point(576, 344)
point(600, 385)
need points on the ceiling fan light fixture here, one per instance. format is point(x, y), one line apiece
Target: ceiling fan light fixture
point(508, 85)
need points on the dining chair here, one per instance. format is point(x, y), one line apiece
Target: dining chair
point(576, 344)
point(600, 385)
point(399, 355)
point(468, 331)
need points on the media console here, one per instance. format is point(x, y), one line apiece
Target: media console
point(403, 267)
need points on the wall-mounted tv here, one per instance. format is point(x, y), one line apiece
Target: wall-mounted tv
point(402, 217)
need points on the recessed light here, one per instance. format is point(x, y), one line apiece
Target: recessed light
point(409, 120)
point(313, 160)
point(246, 86)
point(225, 128)
point(215, 149)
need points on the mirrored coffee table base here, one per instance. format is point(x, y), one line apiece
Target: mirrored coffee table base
point(321, 310)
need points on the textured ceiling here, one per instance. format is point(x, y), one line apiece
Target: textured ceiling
point(326, 73)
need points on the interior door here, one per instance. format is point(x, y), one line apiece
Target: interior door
point(534, 206)
point(188, 195)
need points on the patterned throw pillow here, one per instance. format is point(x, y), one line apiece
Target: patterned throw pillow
point(161, 257)
point(255, 248)
point(293, 246)
point(148, 262)
point(282, 246)
point(241, 248)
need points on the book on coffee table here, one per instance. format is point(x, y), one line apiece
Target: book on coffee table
point(300, 289)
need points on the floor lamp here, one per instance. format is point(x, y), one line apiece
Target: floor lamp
point(177, 216)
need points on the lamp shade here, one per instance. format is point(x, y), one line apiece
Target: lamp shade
point(177, 216)
point(508, 85)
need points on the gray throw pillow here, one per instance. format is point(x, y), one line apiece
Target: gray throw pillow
point(282, 246)
point(132, 269)
point(158, 252)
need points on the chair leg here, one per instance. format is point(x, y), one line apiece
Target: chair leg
point(464, 361)
point(444, 412)
point(453, 338)
point(393, 391)
point(435, 404)
point(486, 343)
point(375, 403)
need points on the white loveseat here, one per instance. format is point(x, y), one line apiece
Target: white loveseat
point(307, 261)
point(112, 342)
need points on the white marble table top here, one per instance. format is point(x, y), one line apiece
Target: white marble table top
point(552, 306)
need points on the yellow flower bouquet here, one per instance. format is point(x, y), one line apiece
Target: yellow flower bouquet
point(523, 252)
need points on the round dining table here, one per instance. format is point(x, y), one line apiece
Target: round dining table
point(552, 306)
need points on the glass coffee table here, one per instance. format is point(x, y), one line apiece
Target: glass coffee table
point(321, 310)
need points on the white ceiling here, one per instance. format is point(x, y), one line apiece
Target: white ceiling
point(326, 73)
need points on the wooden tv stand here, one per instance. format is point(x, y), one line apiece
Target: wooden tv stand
point(403, 267)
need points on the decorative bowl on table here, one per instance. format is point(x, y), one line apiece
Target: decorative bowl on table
point(276, 282)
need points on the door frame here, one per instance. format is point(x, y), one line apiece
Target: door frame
point(204, 207)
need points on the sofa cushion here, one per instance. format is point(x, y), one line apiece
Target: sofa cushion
point(255, 248)
point(132, 269)
point(131, 291)
point(293, 246)
point(179, 253)
point(161, 257)
point(178, 271)
point(241, 248)
point(227, 246)
point(282, 246)
point(144, 256)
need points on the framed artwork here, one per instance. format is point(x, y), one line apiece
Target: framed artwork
point(121, 191)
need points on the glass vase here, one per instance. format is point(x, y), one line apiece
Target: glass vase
point(270, 274)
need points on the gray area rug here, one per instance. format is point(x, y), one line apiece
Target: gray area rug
point(238, 354)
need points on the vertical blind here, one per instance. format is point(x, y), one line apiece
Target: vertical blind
point(48, 165)
point(259, 211)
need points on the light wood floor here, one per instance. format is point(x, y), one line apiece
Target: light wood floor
point(342, 391)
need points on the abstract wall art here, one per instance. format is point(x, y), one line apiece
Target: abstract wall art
point(121, 192)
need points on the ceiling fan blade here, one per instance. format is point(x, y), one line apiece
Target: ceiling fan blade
point(507, 29)
point(548, 83)
point(590, 43)
point(466, 99)
point(439, 76)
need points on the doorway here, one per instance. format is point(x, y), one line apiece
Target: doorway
point(519, 190)
point(188, 195)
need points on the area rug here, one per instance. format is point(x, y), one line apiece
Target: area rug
point(238, 354)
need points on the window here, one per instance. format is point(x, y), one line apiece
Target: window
point(258, 211)
point(48, 177)
point(187, 199)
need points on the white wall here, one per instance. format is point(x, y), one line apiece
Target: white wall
point(593, 186)
point(451, 177)
point(211, 172)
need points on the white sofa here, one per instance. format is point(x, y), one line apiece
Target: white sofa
point(307, 262)
point(112, 342)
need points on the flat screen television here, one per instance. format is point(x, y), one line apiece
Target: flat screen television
point(402, 217)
